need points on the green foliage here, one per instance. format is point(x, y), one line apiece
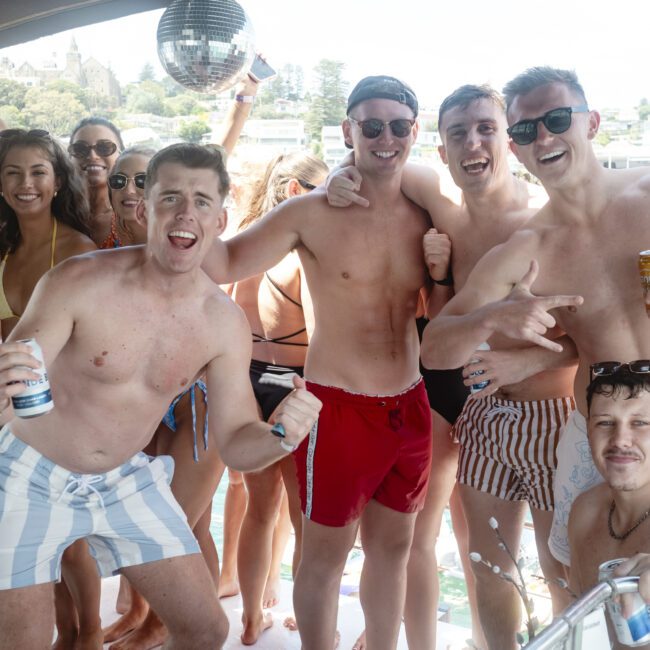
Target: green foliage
point(328, 100)
point(193, 131)
point(147, 73)
point(54, 111)
point(184, 104)
point(12, 117)
point(64, 86)
point(12, 93)
point(603, 138)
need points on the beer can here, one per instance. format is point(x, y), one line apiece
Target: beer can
point(479, 385)
point(644, 270)
point(37, 398)
point(632, 625)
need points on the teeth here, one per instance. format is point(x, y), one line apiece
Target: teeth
point(474, 161)
point(93, 168)
point(183, 234)
point(384, 154)
point(27, 197)
point(552, 154)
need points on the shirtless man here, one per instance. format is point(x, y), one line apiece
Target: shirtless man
point(368, 458)
point(114, 366)
point(609, 521)
point(472, 124)
point(584, 241)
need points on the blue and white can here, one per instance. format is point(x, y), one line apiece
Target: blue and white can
point(37, 398)
point(632, 625)
point(479, 385)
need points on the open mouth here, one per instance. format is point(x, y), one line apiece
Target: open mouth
point(551, 157)
point(27, 198)
point(475, 165)
point(182, 239)
point(130, 203)
point(384, 154)
point(94, 169)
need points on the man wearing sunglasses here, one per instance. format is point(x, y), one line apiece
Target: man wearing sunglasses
point(584, 243)
point(78, 473)
point(367, 460)
point(612, 520)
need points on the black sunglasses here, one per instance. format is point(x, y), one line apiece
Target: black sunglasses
point(556, 121)
point(306, 185)
point(35, 133)
point(606, 368)
point(374, 127)
point(103, 148)
point(119, 181)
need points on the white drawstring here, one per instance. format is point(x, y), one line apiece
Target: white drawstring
point(83, 482)
point(503, 409)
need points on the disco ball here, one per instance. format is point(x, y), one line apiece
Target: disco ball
point(206, 45)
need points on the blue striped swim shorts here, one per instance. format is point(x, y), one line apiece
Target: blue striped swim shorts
point(128, 515)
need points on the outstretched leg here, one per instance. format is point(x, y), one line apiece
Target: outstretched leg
point(233, 515)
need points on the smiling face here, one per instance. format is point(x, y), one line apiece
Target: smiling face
point(475, 144)
point(94, 168)
point(184, 213)
point(555, 158)
point(619, 435)
point(386, 153)
point(125, 201)
point(28, 180)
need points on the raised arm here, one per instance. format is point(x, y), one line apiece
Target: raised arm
point(245, 443)
point(497, 297)
point(242, 105)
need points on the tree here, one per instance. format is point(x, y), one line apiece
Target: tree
point(65, 86)
point(12, 93)
point(644, 109)
point(193, 131)
point(51, 110)
point(13, 117)
point(328, 98)
point(147, 73)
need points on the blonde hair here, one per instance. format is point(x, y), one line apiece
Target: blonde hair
point(271, 189)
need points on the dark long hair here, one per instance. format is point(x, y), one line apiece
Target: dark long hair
point(98, 121)
point(69, 206)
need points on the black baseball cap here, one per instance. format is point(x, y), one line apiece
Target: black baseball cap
point(383, 87)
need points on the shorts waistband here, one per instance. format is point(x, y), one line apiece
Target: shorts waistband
point(264, 366)
point(59, 476)
point(525, 406)
point(335, 394)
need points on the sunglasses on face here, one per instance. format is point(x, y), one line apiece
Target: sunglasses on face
point(556, 121)
point(308, 186)
point(119, 181)
point(373, 127)
point(35, 133)
point(103, 148)
point(606, 368)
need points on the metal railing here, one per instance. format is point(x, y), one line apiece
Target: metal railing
point(565, 632)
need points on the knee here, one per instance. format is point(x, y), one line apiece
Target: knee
point(210, 633)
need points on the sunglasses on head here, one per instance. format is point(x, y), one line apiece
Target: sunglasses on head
point(103, 148)
point(119, 181)
point(306, 185)
point(35, 133)
point(606, 368)
point(556, 121)
point(374, 127)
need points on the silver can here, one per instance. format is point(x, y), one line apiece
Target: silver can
point(37, 398)
point(632, 625)
point(479, 385)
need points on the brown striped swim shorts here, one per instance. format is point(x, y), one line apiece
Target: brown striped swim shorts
point(508, 448)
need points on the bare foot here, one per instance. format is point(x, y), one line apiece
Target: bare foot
point(360, 643)
point(125, 624)
point(252, 631)
point(228, 588)
point(271, 594)
point(150, 634)
point(290, 623)
point(123, 602)
point(93, 640)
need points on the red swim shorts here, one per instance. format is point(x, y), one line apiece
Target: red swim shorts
point(365, 447)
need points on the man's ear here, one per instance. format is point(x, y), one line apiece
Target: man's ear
point(594, 124)
point(347, 133)
point(443, 153)
point(222, 222)
point(515, 149)
point(141, 213)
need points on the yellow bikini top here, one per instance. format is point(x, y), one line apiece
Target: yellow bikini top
point(5, 309)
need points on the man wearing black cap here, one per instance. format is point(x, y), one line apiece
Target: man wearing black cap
point(367, 460)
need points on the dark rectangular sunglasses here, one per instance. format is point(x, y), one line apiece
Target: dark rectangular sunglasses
point(34, 133)
point(556, 121)
point(605, 368)
point(119, 181)
point(374, 127)
point(103, 148)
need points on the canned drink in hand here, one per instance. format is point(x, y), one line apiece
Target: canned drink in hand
point(37, 398)
point(630, 618)
point(479, 385)
point(644, 270)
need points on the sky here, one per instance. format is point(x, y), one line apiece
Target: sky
point(435, 46)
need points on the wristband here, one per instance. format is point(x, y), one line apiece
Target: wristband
point(278, 430)
point(447, 282)
point(244, 99)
